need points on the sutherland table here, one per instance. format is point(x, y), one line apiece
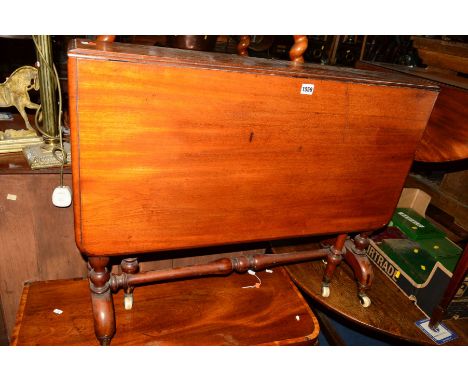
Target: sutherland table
point(208, 311)
point(177, 149)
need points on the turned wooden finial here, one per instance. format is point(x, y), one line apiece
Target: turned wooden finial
point(106, 38)
point(98, 274)
point(242, 47)
point(298, 49)
point(130, 265)
point(361, 242)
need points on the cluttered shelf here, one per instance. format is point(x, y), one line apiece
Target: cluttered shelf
point(16, 162)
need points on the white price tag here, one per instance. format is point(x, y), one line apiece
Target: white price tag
point(307, 89)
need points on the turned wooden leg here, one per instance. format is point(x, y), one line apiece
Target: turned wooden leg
point(356, 256)
point(103, 305)
point(129, 266)
point(334, 258)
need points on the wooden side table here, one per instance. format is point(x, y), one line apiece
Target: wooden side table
point(166, 170)
point(205, 311)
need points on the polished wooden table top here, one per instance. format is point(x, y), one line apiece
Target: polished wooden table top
point(446, 134)
point(206, 311)
point(189, 143)
point(391, 313)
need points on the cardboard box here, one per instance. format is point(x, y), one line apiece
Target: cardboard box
point(415, 199)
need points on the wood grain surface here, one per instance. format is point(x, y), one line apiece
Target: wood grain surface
point(207, 311)
point(443, 60)
point(391, 313)
point(36, 238)
point(452, 48)
point(446, 136)
point(3, 330)
point(432, 75)
point(179, 150)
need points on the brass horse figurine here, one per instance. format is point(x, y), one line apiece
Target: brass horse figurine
point(14, 91)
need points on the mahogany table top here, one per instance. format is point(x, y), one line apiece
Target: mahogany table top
point(206, 311)
point(171, 147)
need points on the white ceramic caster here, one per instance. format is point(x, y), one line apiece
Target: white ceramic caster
point(128, 301)
point(325, 291)
point(365, 301)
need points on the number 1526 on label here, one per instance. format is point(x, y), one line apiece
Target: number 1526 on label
point(307, 89)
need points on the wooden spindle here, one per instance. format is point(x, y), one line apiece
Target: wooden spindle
point(334, 49)
point(106, 38)
point(243, 46)
point(218, 267)
point(334, 257)
point(363, 48)
point(129, 266)
point(101, 298)
point(298, 49)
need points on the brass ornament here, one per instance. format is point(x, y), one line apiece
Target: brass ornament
point(14, 91)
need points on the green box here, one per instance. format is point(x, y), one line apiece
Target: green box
point(414, 225)
point(421, 271)
point(410, 257)
point(442, 250)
